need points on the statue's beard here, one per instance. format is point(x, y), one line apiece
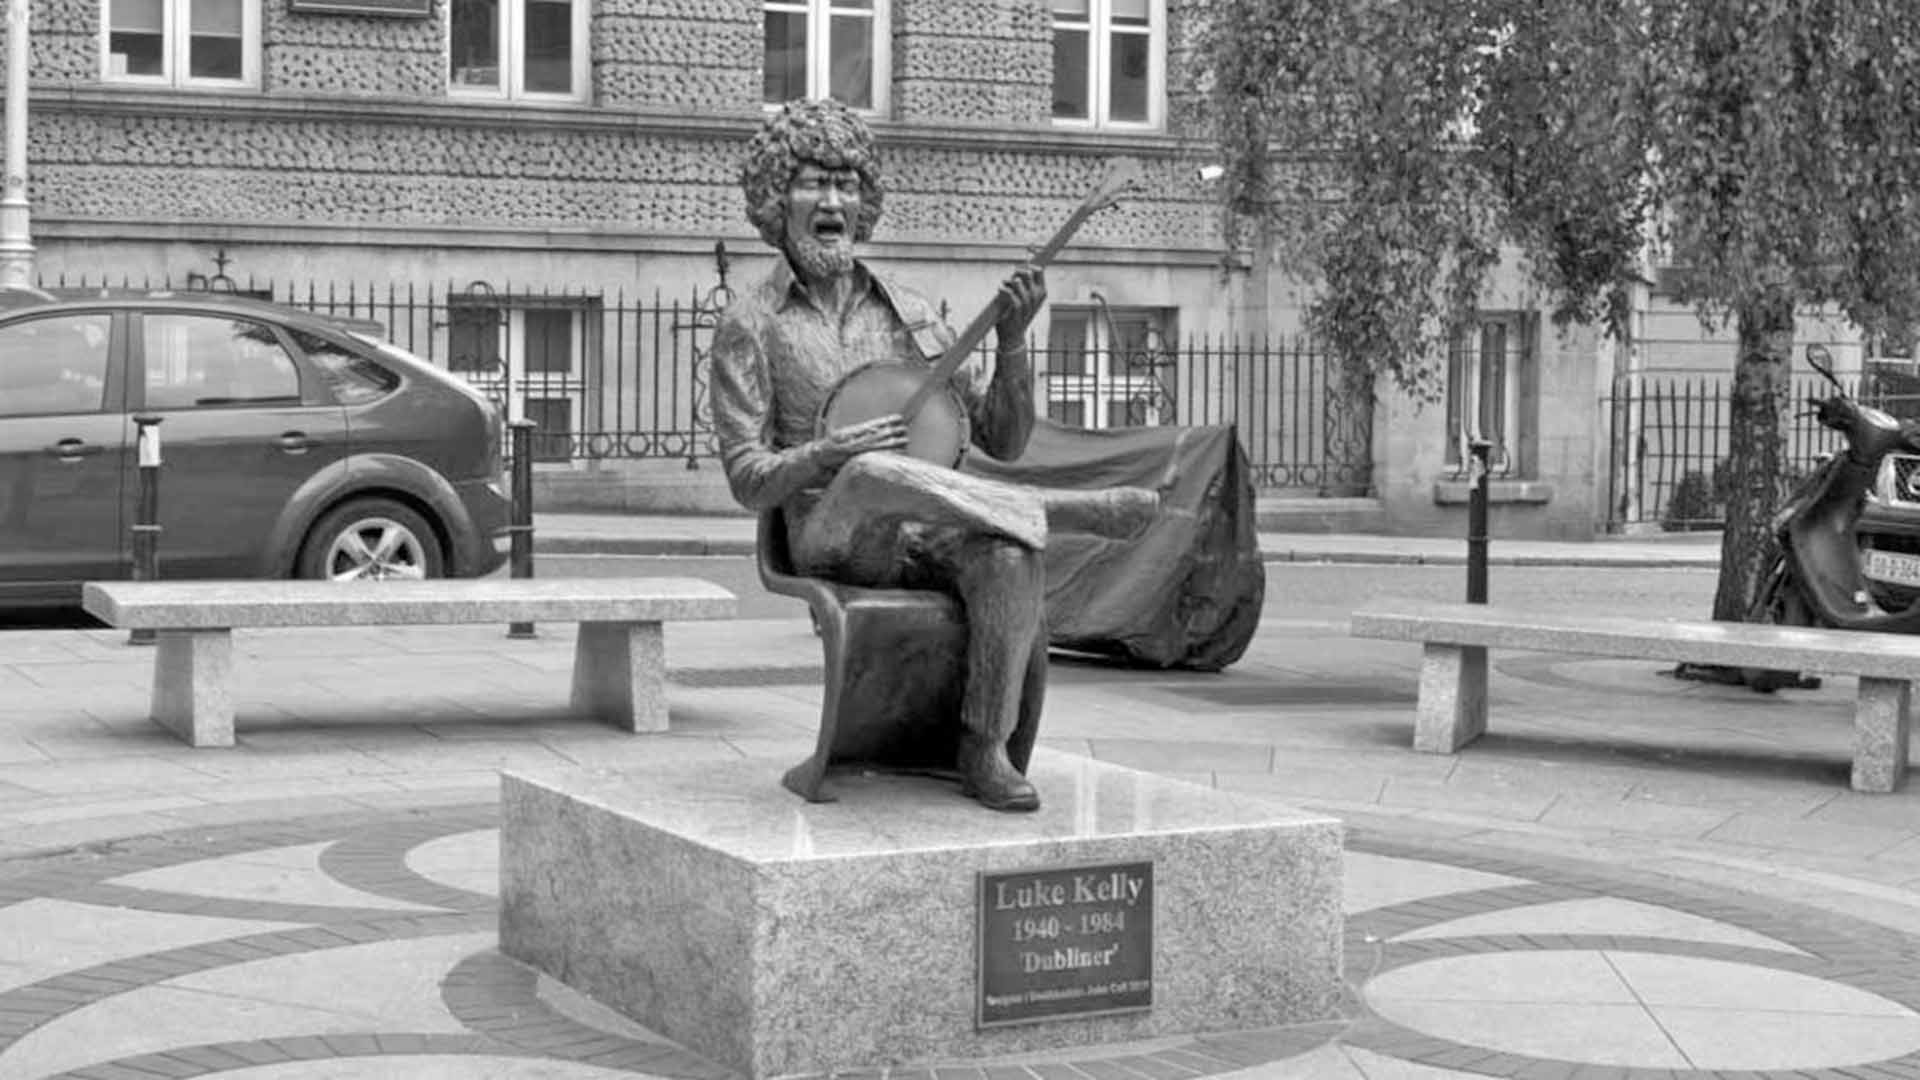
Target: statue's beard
point(819, 259)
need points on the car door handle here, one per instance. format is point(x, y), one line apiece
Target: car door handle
point(73, 449)
point(295, 442)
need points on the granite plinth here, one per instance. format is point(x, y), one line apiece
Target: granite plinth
point(779, 937)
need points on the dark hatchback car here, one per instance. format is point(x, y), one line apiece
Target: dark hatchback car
point(292, 445)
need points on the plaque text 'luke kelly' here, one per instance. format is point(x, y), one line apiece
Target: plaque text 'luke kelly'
point(1065, 941)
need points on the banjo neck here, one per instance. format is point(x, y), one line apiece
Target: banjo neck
point(1122, 173)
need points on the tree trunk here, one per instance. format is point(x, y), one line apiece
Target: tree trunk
point(1756, 445)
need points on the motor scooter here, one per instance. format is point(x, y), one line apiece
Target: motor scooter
point(1814, 577)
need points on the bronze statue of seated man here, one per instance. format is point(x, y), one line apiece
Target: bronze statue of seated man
point(860, 511)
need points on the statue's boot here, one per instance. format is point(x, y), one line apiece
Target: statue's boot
point(1119, 513)
point(988, 776)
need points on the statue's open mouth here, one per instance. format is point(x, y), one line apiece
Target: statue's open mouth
point(829, 228)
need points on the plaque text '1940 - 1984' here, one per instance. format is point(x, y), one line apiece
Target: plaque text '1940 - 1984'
point(1065, 941)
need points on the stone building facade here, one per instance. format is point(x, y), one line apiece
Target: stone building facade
point(356, 148)
point(351, 158)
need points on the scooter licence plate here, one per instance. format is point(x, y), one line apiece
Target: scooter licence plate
point(1893, 566)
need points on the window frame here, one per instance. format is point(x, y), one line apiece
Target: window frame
point(1100, 30)
point(503, 324)
point(510, 43)
point(1104, 373)
point(176, 42)
point(1467, 370)
point(819, 78)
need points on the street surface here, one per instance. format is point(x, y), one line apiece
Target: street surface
point(1628, 873)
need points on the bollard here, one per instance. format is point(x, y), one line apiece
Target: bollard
point(1481, 450)
point(146, 517)
point(520, 530)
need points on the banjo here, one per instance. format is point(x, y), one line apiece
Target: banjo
point(937, 427)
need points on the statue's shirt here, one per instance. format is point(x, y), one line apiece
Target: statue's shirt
point(778, 354)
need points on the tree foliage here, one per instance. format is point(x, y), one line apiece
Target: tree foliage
point(1395, 145)
point(1768, 150)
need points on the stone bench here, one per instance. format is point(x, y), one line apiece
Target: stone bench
point(1452, 708)
point(619, 658)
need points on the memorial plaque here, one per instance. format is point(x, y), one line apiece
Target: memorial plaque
point(1065, 941)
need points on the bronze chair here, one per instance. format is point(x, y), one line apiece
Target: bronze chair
point(895, 671)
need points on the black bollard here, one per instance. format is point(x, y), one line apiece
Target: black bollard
point(1481, 450)
point(520, 530)
point(146, 519)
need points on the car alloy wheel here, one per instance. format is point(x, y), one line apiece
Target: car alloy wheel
point(371, 539)
point(376, 549)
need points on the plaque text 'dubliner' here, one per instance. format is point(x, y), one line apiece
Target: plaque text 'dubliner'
point(1065, 941)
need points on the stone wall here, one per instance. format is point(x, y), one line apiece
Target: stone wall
point(305, 54)
point(455, 165)
point(353, 126)
point(683, 55)
point(978, 62)
point(65, 41)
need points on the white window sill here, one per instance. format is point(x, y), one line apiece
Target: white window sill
point(1460, 492)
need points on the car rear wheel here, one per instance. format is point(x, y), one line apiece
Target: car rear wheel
point(371, 540)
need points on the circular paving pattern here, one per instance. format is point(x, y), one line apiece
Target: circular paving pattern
point(1504, 980)
point(1644, 1009)
point(362, 946)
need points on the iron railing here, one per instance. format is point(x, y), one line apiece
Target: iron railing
point(616, 376)
point(1669, 443)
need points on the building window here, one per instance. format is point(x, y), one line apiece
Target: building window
point(1107, 367)
point(533, 355)
point(552, 437)
point(534, 50)
point(827, 48)
point(1486, 366)
point(182, 42)
point(1109, 62)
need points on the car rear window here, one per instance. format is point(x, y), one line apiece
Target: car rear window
point(353, 378)
point(201, 361)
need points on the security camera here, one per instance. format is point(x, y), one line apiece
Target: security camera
point(1211, 172)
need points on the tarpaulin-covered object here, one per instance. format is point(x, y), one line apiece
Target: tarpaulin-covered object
point(1187, 592)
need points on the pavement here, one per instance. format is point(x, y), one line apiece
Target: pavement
point(1630, 877)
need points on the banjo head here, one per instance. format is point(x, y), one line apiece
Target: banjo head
point(939, 432)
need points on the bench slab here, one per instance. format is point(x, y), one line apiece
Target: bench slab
point(619, 659)
point(1452, 709)
point(1887, 656)
point(187, 605)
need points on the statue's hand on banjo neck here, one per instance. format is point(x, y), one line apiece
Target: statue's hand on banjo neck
point(858, 415)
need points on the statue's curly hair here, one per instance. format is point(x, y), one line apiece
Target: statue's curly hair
point(822, 132)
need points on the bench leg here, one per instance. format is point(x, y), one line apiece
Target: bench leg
point(1880, 730)
point(193, 685)
point(1453, 698)
point(620, 674)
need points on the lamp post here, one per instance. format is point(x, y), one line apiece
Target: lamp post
point(1482, 453)
point(16, 234)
